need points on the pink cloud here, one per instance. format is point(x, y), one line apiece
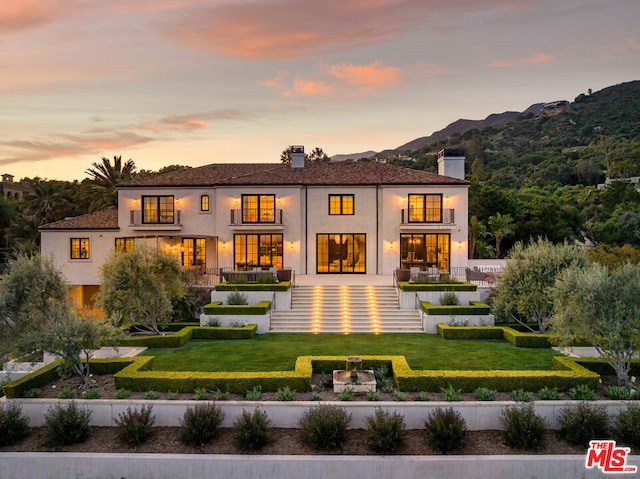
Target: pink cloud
point(302, 87)
point(18, 15)
point(291, 28)
point(371, 77)
point(277, 81)
point(534, 59)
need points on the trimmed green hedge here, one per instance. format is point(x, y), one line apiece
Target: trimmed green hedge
point(183, 336)
point(518, 339)
point(475, 307)
point(217, 307)
point(407, 286)
point(281, 286)
point(136, 374)
point(600, 366)
point(177, 326)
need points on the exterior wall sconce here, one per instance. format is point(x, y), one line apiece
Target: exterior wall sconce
point(459, 244)
point(291, 244)
point(223, 245)
point(447, 199)
point(390, 244)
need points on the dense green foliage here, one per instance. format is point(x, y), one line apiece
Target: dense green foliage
point(523, 428)
point(67, 424)
point(446, 429)
point(324, 427)
point(252, 430)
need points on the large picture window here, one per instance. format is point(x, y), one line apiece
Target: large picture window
point(257, 251)
point(157, 209)
point(194, 252)
point(341, 204)
point(425, 250)
point(258, 208)
point(341, 253)
point(425, 208)
point(80, 248)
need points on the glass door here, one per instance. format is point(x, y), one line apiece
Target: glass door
point(341, 253)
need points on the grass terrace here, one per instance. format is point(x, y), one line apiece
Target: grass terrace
point(278, 352)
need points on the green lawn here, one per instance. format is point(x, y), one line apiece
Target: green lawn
point(278, 352)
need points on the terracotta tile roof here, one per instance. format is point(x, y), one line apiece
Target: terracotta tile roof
point(100, 220)
point(320, 174)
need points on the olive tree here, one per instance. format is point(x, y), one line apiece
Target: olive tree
point(525, 286)
point(28, 290)
point(137, 287)
point(601, 307)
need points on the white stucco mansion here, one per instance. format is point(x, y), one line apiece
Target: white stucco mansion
point(328, 218)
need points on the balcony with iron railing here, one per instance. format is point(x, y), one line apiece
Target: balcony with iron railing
point(171, 221)
point(437, 218)
point(254, 217)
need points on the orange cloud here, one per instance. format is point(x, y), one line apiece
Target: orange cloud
point(371, 77)
point(303, 87)
point(276, 82)
point(26, 14)
point(535, 59)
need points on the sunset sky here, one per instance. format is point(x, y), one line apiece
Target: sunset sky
point(195, 82)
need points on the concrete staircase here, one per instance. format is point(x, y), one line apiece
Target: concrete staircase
point(345, 309)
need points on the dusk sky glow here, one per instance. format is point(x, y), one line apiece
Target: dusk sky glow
point(195, 82)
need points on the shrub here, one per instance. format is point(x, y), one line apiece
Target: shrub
point(521, 395)
point(67, 393)
point(324, 427)
point(172, 395)
point(213, 322)
point(151, 395)
point(122, 393)
point(253, 394)
point(252, 430)
point(385, 431)
point(316, 396)
point(399, 396)
point(446, 429)
point(387, 385)
point(484, 394)
point(381, 372)
point(451, 394)
point(523, 428)
point(449, 299)
point(548, 394)
point(266, 278)
point(346, 394)
point(583, 422)
point(373, 395)
point(91, 394)
point(199, 424)
point(618, 392)
point(285, 394)
point(136, 424)
point(33, 393)
point(67, 424)
point(627, 426)
point(13, 424)
point(237, 298)
point(200, 394)
point(582, 392)
point(423, 396)
point(219, 395)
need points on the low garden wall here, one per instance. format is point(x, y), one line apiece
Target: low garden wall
point(279, 293)
point(42, 465)
point(478, 415)
point(475, 314)
point(238, 315)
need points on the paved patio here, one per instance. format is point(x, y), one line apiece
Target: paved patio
point(346, 279)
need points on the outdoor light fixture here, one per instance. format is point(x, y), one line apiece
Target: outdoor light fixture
point(391, 244)
point(291, 244)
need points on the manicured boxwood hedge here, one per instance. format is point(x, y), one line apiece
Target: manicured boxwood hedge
point(474, 307)
point(281, 286)
point(408, 287)
point(217, 307)
point(182, 337)
point(518, 339)
point(600, 366)
point(136, 374)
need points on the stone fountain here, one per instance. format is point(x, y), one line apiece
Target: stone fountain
point(353, 377)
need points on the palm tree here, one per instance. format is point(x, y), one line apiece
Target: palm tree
point(477, 231)
point(49, 201)
point(500, 226)
point(105, 177)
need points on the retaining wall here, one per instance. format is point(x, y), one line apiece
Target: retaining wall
point(169, 466)
point(479, 415)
